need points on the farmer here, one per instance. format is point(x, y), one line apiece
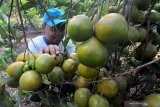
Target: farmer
point(51, 42)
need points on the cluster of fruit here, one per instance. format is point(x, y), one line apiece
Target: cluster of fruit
point(84, 67)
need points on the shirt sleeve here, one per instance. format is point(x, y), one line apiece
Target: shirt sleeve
point(32, 47)
point(70, 47)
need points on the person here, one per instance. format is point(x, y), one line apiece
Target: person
point(53, 28)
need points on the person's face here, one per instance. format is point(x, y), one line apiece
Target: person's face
point(53, 35)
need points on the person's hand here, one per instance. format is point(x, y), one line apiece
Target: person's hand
point(51, 49)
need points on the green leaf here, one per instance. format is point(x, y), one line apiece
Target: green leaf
point(27, 6)
point(45, 80)
point(44, 98)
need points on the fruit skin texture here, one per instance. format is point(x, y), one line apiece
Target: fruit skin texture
point(58, 59)
point(153, 100)
point(108, 88)
point(122, 83)
point(112, 28)
point(30, 80)
point(79, 28)
point(25, 56)
point(82, 82)
point(69, 66)
point(15, 69)
point(81, 97)
point(133, 35)
point(149, 52)
point(98, 101)
point(92, 53)
point(44, 63)
point(87, 72)
point(142, 34)
point(57, 75)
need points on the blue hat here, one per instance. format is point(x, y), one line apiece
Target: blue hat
point(56, 16)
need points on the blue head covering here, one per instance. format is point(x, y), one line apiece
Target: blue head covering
point(56, 16)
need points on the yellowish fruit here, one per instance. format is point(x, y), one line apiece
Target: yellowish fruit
point(92, 53)
point(82, 82)
point(30, 80)
point(152, 100)
point(44, 63)
point(15, 69)
point(112, 28)
point(81, 97)
point(69, 66)
point(98, 101)
point(24, 56)
point(108, 88)
point(58, 59)
point(87, 72)
point(73, 56)
point(79, 28)
point(57, 75)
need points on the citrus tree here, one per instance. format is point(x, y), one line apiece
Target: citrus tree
point(116, 58)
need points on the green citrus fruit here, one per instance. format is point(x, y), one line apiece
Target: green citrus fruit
point(117, 100)
point(82, 82)
point(92, 53)
point(152, 100)
point(87, 72)
point(69, 66)
point(154, 16)
point(58, 59)
point(132, 35)
point(149, 51)
point(79, 28)
point(98, 101)
point(15, 69)
point(24, 56)
point(30, 80)
point(155, 38)
point(113, 9)
point(112, 28)
point(44, 63)
point(73, 56)
point(57, 75)
point(142, 34)
point(141, 4)
point(108, 88)
point(12, 82)
point(81, 97)
point(137, 16)
point(122, 83)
